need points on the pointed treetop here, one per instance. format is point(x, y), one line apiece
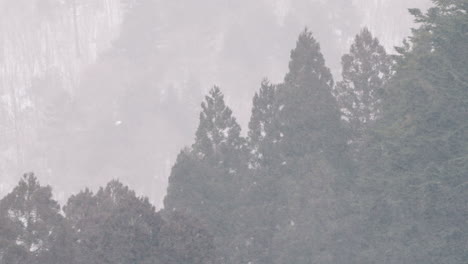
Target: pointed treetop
point(218, 130)
point(366, 54)
point(309, 116)
point(307, 59)
point(261, 126)
point(29, 190)
point(366, 69)
point(262, 108)
point(34, 215)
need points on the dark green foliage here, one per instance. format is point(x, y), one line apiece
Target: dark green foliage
point(307, 61)
point(297, 141)
point(113, 226)
point(261, 189)
point(366, 69)
point(312, 150)
point(218, 134)
point(32, 229)
point(297, 160)
point(206, 180)
point(185, 240)
point(418, 151)
point(263, 134)
point(309, 118)
point(289, 193)
point(201, 190)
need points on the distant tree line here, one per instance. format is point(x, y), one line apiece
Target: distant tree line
point(371, 169)
point(112, 225)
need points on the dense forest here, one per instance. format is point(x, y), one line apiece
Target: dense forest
point(372, 168)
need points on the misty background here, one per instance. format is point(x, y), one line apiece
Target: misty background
point(93, 90)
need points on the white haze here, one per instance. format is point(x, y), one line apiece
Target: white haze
point(233, 44)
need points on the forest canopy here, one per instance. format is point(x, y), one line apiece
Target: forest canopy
point(368, 167)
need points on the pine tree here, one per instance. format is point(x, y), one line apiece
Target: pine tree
point(206, 180)
point(185, 240)
point(256, 205)
point(31, 224)
point(114, 225)
point(309, 119)
point(366, 69)
point(418, 153)
point(290, 207)
point(218, 137)
point(262, 134)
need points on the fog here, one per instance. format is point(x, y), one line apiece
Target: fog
point(93, 90)
point(229, 132)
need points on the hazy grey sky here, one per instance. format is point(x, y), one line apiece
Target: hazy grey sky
point(233, 44)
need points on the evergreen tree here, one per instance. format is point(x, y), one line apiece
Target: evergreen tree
point(114, 226)
point(206, 180)
point(185, 240)
point(290, 208)
point(31, 224)
point(309, 119)
point(313, 166)
point(257, 204)
point(366, 69)
point(418, 153)
point(218, 134)
point(262, 134)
